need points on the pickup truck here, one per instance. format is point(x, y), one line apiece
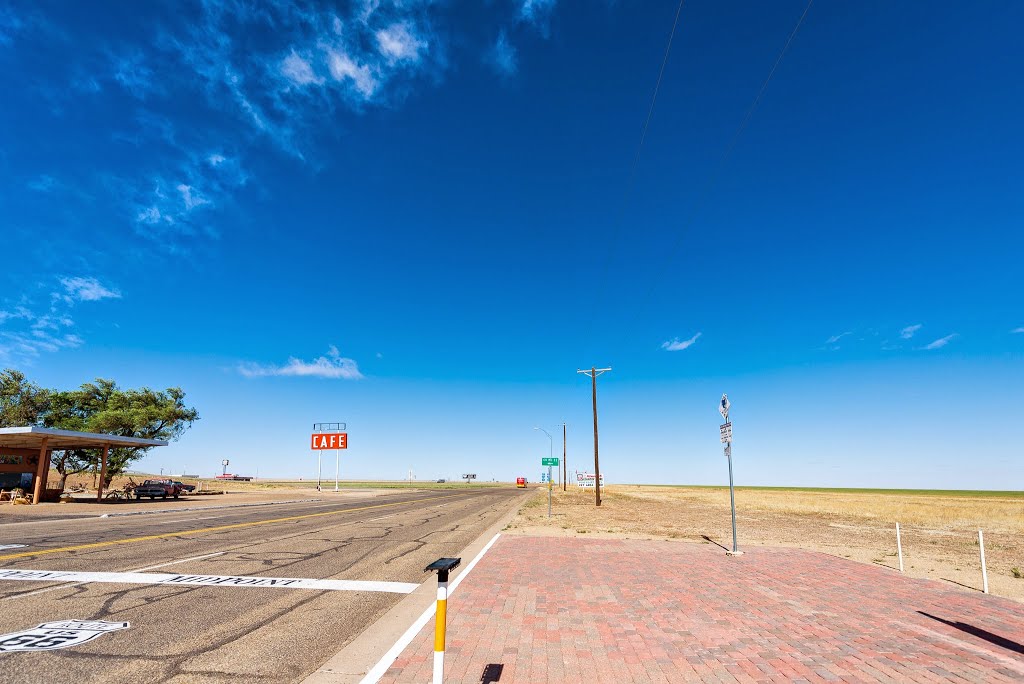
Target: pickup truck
point(155, 488)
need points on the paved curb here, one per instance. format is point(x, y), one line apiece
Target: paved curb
point(350, 664)
point(205, 508)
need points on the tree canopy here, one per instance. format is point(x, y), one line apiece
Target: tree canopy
point(99, 406)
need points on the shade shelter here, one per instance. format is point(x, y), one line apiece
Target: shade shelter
point(25, 453)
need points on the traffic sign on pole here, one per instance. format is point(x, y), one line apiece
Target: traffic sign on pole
point(549, 461)
point(723, 407)
point(726, 432)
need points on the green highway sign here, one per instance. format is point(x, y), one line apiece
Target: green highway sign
point(549, 461)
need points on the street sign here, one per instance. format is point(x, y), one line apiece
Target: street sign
point(726, 432)
point(330, 440)
point(549, 461)
point(723, 407)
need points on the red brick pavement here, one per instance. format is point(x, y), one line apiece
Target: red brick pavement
point(552, 609)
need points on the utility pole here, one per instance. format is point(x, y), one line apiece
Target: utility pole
point(593, 373)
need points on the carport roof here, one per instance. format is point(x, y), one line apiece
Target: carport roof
point(32, 438)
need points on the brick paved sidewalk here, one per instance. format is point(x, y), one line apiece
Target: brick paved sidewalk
point(547, 609)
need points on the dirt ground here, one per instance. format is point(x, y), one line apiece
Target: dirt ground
point(939, 532)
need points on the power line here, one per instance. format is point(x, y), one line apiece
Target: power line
point(712, 179)
point(631, 179)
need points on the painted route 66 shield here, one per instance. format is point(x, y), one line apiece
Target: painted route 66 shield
point(53, 635)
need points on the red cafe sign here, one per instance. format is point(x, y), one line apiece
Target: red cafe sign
point(330, 440)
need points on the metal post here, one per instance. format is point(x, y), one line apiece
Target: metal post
point(984, 570)
point(337, 468)
point(549, 491)
point(899, 546)
point(564, 473)
point(319, 462)
point(732, 498)
point(597, 467)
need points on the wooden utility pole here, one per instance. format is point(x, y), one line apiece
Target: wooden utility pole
point(593, 373)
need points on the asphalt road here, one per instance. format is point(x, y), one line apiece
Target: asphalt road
point(227, 632)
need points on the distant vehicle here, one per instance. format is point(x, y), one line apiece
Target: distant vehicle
point(521, 482)
point(441, 480)
point(235, 478)
point(155, 488)
point(185, 487)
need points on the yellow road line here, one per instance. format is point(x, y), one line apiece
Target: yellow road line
point(234, 526)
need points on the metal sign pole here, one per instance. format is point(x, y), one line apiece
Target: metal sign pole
point(319, 469)
point(732, 498)
point(726, 431)
point(549, 491)
point(337, 468)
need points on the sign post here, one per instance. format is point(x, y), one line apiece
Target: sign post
point(329, 436)
point(551, 461)
point(726, 435)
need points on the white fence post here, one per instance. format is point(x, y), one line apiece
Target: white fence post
point(899, 546)
point(984, 571)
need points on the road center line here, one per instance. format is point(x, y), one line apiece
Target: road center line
point(218, 528)
point(232, 581)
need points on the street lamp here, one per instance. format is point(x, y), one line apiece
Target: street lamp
point(551, 448)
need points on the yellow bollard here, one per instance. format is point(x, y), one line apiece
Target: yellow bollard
point(443, 566)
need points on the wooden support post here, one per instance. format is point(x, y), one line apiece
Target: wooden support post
point(41, 472)
point(103, 473)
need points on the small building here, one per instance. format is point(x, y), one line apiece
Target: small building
point(25, 455)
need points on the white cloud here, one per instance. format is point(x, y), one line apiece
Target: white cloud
point(332, 366)
point(299, 70)
point(836, 338)
point(503, 55)
point(216, 159)
point(31, 330)
point(87, 290)
point(909, 331)
point(134, 75)
point(398, 42)
point(1017, 331)
point(191, 197)
point(940, 343)
point(676, 344)
point(536, 10)
point(343, 68)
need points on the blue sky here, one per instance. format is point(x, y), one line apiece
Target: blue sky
point(422, 218)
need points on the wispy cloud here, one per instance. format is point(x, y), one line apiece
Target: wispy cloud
point(836, 338)
point(31, 329)
point(940, 343)
point(333, 366)
point(909, 331)
point(86, 290)
point(503, 55)
point(1017, 331)
point(10, 24)
point(675, 344)
point(536, 11)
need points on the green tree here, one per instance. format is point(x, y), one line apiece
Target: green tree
point(22, 403)
point(102, 406)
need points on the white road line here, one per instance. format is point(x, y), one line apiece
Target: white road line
point(235, 581)
point(378, 670)
point(12, 546)
point(151, 567)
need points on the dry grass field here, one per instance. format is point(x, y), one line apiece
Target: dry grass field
point(939, 529)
